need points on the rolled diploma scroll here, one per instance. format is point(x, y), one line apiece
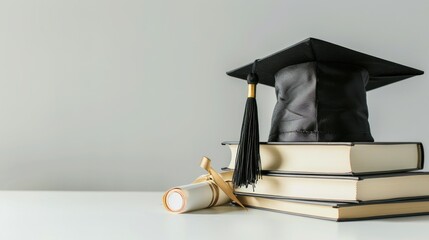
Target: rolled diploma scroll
point(195, 196)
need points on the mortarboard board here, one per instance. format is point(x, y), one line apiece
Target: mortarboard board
point(321, 97)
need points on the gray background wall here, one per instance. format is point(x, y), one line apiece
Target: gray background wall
point(128, 95)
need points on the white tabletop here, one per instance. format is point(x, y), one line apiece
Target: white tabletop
point(139, 215)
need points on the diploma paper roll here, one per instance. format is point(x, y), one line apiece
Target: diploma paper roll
point(194, 196)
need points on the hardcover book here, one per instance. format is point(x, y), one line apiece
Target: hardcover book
point(336, 158)
point(341, 188)
point(340, 211)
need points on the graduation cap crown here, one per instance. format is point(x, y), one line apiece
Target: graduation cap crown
point(321, 97)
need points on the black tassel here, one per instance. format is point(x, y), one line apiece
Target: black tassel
point(248, 160)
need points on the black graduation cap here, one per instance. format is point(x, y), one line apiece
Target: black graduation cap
point(321, 97)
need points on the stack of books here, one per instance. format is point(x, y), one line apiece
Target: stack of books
point(339, 181)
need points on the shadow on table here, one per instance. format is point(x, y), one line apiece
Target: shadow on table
point(387, 228)
point(219, 210)
point(417, 218)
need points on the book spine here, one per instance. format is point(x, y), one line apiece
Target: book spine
point(421, 155)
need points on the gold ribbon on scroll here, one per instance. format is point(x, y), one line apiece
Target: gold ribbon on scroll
point(206, 191)
point(218, 180)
